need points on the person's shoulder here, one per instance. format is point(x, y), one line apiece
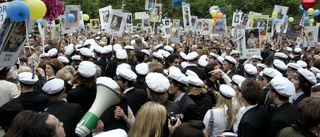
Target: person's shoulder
point(289, 132)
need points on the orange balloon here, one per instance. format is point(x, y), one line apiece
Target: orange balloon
point(219, 15)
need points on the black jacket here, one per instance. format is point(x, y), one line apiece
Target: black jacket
point(283, 117)
point(300, 98)
point(68, 113)
point(188, 108)
point(199, 71)
point(240, 70)
point(110, 70)
point(32, 101)
point(203, 103)
point(254, 123)
point(84, 97)
point(136, 98)
point(102, 63)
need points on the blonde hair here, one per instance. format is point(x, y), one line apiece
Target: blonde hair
point(191, 90)
point(155, 66)
point(66, 73)
point(230, 113)
point(149, 121)
point(24, 69)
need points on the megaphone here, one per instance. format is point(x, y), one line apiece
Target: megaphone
point(106, 96)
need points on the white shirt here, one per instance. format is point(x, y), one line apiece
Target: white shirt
point(238, 118)
point(249, 107)
point(128, 89)
point(220, 120)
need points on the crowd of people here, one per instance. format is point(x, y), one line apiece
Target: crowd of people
point(197, 88)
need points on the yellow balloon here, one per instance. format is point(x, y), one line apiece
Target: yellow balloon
point(274, 15)
point(162, 29)
point(211, 36)
point(213, 13)
point(291, 19)
point(37, 9)
point(85, 17)
point(213, 22)
point(310, 11)
point(181, 28)
point(152, 13)
point(174, 31)
point(311, 21)
point(170, 24)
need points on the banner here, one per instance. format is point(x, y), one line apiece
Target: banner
point(236, 19)
point(175, 37)
point(117, 21)
point(104, 14)
point(94, 24)
point(55, 32)
point(3, 13)
point(75, 10)
point(12, 38)
point(260, 22)
point(186, 15)
point(157, 13)
point(248, 42)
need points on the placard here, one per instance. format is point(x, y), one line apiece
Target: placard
point(117, 21)
point(186, 15)
point(104, 14)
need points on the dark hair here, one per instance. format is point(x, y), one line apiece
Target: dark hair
point(7, 113)
point(282, 98)
point(181, 86)
point(193, 128)
point(140, 56)
point(251, 91)
point(30, 124)
point(315, 88)
point(47, 48)
point(169, 60)
point(55, 64)
point(308, 114)
point(304, 86)
point(209, 68)
point(85, 82)
point(3, 73)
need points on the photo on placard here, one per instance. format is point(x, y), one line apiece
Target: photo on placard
point(310, 36)
point(166, 22)
point(193, 20)
point(252, 38)
point(149, 4)
point(294, 29)
point(199, 24)
point(250, 16)
point(318, 34)
point(260, 22)
point(115, 22)
point(244, 19)
point(129, 18)
point(94, 24)
point(186, 14)
point(236, 19)
point(158, 12)
point(55, 32)
point(16, 38)
point(281, 11)
point(104, 14)
point(205, 26)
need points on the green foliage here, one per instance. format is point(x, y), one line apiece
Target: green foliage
point(199, 8)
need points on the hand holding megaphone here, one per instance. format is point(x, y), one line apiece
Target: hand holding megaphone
point(106, 96)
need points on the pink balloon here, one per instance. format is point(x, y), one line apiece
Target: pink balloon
point(54, 9)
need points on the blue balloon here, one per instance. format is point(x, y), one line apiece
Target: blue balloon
point(70, 17)
point(275, 21)
point(301, 9)
point(39, 21)
point(286, 17)
point(165, 17)
point(161, 25)
point(306, 20)
point(305, 12)
point(150, 9)
point(316, 12)
point(220, 21)
point(18, 11)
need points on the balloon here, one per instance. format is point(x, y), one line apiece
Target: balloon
point(211, 36)
point(310, 11)
point(301, 9)
point(274, 15)
point(286, 17)
point(37, 8)
point(275, 21)
point(217, 28)
point(18, 11)
point(213, 22)
point(152, 13)
point(70, 17)
point(219, 15)
point(311, 21)
point(306, 4)
point(39, 21)
point(213, 13)
point(174, 31)
point(85, 17)
point(291, 19)
point(161, 25)
point(214, 8)
point(170, 24)
point(316, 13)
point(54, 9)
point(181, 28)
point(306, 19)
point(165, 17)
point(220, 21)
point(162, 29)
point(305, 12)
point(150, 9)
